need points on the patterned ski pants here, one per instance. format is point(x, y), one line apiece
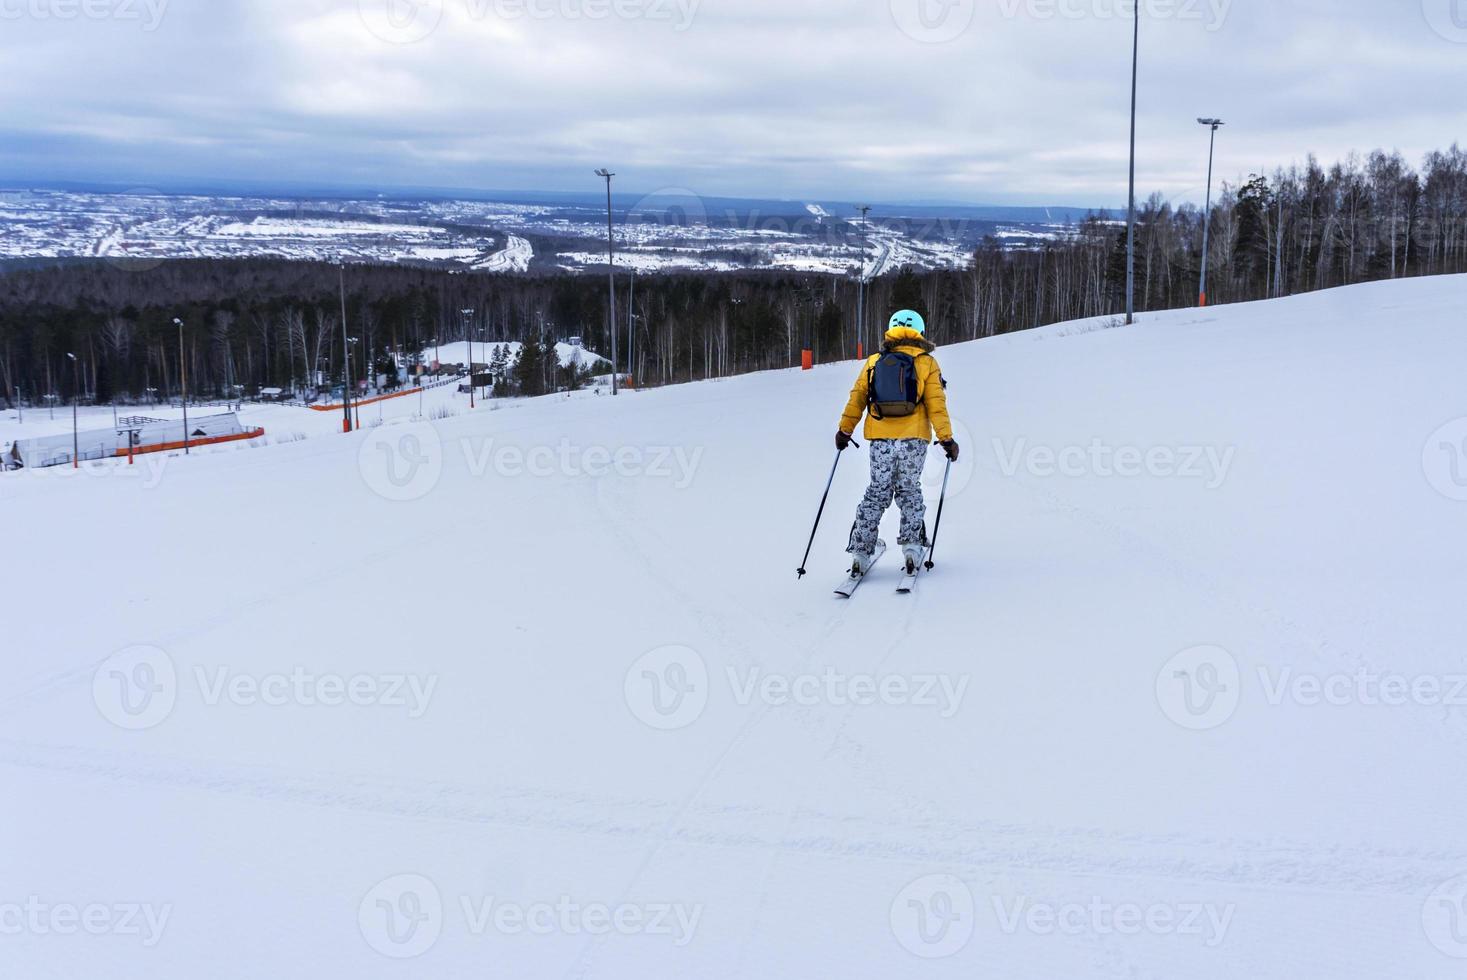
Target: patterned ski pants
point(896, 472)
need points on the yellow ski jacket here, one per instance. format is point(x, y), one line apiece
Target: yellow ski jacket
point(931, 397)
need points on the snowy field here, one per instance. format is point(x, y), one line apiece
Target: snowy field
point(535, 693)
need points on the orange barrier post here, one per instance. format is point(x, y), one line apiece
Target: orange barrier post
point(807, 360)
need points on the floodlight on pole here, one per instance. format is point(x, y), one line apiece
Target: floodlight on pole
point(610, 274)
point(1213, 124)
point(1131, 201)
point(183, 375)
point(346, 424)
point(75, 388)
point(468, 314)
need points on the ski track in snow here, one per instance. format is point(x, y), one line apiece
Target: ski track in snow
point(958, 843)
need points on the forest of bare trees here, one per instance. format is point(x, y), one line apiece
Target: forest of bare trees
point(266, 323)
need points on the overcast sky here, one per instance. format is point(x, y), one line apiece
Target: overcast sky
point(983, 101)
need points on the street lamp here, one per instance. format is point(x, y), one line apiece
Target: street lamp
point(75, 388)
point(1212, 124)
point(1131, 205)
point(865, 209)
point(183, 375)
point(346, 425)
point(468, 315)
point(610, 274)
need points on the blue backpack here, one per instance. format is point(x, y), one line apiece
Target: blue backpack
point(891, 386)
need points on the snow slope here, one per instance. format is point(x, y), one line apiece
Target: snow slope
point(1073, 768)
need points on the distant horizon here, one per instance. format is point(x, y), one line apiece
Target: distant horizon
point(223, 186)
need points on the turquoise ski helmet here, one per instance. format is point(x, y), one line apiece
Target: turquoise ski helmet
point(908, 318)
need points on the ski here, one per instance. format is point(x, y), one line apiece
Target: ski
point(909, 579)
point(851, 583)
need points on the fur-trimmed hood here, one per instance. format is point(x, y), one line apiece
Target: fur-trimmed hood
point(907, 337)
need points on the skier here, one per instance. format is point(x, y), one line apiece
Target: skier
point(902, 391)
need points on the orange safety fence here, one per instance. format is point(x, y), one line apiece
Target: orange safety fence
point(366, 401)
point(163, 447)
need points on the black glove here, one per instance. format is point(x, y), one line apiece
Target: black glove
point(842, 441)
point(951, 448)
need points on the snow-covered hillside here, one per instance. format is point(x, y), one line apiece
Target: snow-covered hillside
point(536, 693)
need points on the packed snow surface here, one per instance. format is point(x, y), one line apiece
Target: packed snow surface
point(535, 692)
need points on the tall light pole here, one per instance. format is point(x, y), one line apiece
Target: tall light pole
point(468, 314)
point(1213, 124)
point(610, 274)
point(345, 355)
point(865, 209)
point(1131, 206)
point(183, 375)
point(75, 438)
point(631, 329)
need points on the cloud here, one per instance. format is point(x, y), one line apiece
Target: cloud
point(981, 100)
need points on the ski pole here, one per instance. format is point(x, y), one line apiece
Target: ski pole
point(828, 484)
point(938, 527)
